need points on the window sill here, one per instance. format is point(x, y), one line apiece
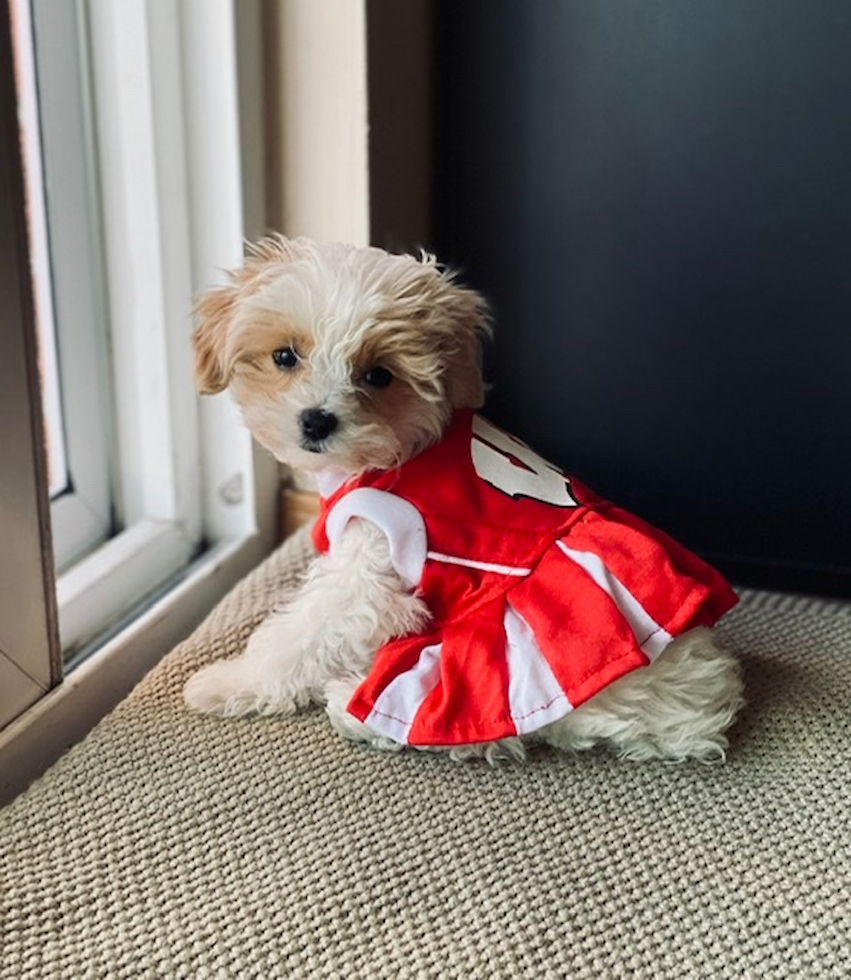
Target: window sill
point(33, 742)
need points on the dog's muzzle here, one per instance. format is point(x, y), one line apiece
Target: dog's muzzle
point(316, 425)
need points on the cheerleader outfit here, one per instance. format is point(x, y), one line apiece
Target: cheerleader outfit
point(540, 592)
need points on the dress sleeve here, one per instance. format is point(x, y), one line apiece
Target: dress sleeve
point(400, 521)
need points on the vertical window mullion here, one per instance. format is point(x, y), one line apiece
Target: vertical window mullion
point(138, 111)
point(213, 104)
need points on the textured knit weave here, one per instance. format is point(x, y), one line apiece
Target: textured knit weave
point(173, 845)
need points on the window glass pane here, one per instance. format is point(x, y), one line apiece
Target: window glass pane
point(73, 329)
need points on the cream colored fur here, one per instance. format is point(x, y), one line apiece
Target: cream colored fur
point(345, 313)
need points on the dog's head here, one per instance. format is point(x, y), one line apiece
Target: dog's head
point(341, 357)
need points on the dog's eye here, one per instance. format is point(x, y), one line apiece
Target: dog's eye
point(378, 377)
point(285, 357)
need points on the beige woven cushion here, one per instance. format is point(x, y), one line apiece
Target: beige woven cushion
point(172, 845)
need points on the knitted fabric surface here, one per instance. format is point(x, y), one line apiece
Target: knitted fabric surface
point(540, 592)
point(176, 845)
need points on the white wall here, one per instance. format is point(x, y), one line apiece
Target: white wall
point(318, 154)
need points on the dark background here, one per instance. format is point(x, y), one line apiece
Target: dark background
point(654, 196)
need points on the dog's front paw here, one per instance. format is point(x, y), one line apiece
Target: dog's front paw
point(230, 688)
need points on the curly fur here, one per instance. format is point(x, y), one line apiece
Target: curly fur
point(344, 312)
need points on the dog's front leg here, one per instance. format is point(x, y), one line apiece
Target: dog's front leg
point(351, 602)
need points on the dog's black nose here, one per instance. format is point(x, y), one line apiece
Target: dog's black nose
point(317, 424)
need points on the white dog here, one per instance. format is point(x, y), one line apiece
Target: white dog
point(363, 367)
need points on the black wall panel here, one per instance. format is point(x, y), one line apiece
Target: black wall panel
point(656, 198)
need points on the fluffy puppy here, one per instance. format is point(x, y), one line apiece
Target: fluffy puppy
point(349, 361)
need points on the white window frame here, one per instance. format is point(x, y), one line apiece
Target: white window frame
point(136, 50)
point(166, 128)
point(69, 279)
point(174, 217)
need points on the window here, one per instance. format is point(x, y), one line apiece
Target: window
point(134, 184)
point(68, 275)
point(108, 98)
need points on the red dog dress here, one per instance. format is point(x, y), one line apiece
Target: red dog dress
point(540, 592)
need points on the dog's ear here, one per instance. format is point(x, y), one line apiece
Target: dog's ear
point(215, 312)
point(471, 322)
